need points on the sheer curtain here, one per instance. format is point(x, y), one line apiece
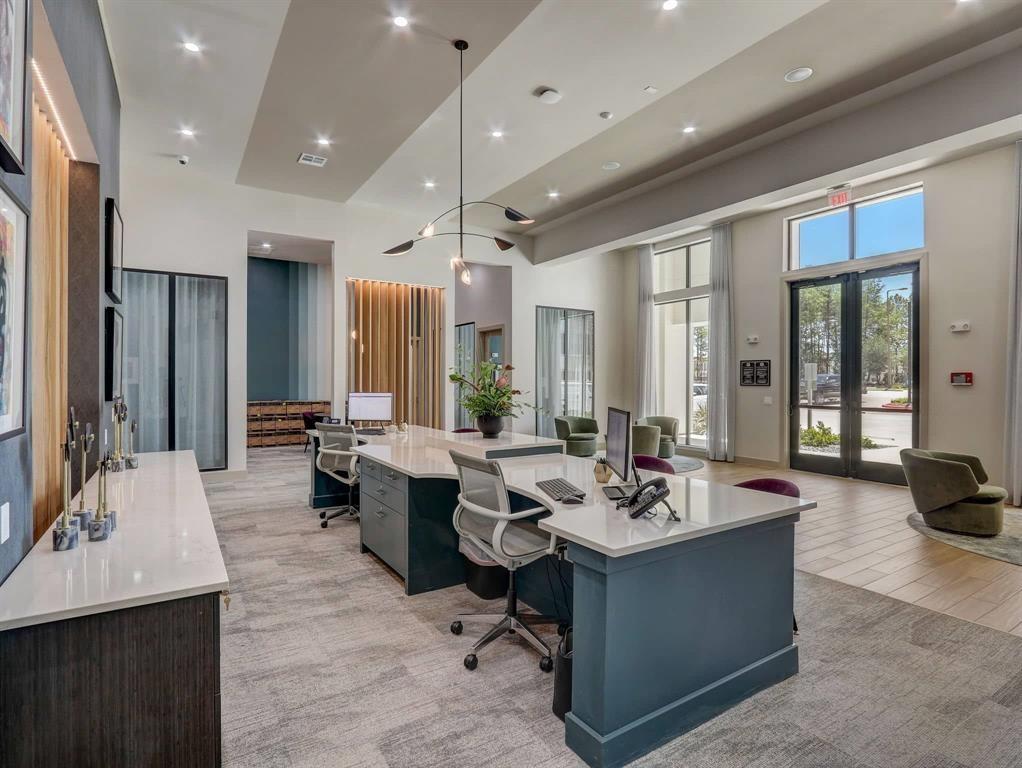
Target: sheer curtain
point(464, 363)
point(1013, 410)
point(720, 426)
point(200, 369)
point(146, 313)
point(549, 368)
point(646, 395)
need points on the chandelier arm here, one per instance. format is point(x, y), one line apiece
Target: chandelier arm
point(465, 205)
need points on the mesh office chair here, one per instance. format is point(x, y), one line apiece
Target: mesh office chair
point(337, 460)
point(484, 517)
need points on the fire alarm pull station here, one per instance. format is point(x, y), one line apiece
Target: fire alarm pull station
point(961, 378)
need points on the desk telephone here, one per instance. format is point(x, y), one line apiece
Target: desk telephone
point(647, 496)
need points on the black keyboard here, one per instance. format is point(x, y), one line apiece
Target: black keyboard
point(558, 488)
point(375, 431)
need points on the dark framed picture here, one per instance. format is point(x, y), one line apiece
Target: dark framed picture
point(114, 250)
point(114, 368)
point(13, 315)
point(13, 33)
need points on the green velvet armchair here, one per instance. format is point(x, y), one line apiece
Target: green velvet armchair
point(645, 439)
point(950, 492)
point(668, 433)
point(579, 434)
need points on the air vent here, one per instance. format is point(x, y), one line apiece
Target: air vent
point(307, 158)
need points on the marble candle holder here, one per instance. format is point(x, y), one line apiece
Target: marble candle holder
point(111, 516)
point(84, 517)
point(131, 462)
point(116, 465)
point(99, 530)
point(65, 538)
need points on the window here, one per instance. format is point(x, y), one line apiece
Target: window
point(682, 296)
point(871, 227)
point(565, 347)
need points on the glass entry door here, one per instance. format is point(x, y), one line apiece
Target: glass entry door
point(854, 373)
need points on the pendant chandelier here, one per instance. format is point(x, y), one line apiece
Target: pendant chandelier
point(429, 231)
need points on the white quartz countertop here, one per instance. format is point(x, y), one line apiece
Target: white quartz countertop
point(473, 443)
point(164, 548)
point(704, 507)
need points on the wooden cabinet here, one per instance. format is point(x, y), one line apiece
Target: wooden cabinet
point(279, 422)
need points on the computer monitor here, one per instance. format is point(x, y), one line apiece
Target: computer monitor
point(370, 406)
point(619, 449)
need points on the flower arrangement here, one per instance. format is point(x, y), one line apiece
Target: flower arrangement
point(488, 396)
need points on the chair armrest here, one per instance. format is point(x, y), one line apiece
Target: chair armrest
point(940, 482)
point(484, 512)
point(972, 461)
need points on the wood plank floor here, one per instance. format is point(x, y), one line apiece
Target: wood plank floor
point(858, 535)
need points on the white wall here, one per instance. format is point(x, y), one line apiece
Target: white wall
point(178, 219)
point(969, 226)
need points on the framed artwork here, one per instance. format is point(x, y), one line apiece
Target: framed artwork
point(114, 250)
point(13, 315)
point(114, 366)
point(13, 28)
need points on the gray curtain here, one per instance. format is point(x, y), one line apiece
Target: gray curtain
point(720, 426)
point(549, 368)
point(1013, 409)
point(647, 401)
point(147, 357)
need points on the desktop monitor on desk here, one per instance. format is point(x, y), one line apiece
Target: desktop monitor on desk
point(370, 406)
point(619, 452)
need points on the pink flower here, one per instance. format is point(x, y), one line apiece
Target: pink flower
point(502, 382)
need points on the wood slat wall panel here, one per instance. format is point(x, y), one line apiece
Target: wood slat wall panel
point(49, 336)
point(395, 344)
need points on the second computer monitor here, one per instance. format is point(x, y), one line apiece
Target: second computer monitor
point(370, 406)
point(619, 443)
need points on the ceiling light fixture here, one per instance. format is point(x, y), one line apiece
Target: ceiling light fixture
point(548, 95)
point(429, 184)
point(611, 165)
point(651, 89)
point(186, 132)
point(323, 141)
point(669, 5)
point(429, 230)
point(553, 194)
point(266, 245)
point(191, 47)
point(798, 74)
point(607, 115)
point(497, 134)
point(689, 129)
point(400, 21)
point(53, 109)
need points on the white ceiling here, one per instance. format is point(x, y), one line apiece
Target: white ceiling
point(289, 247)
point(717, 65)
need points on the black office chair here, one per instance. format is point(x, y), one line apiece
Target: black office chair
point(309, 420)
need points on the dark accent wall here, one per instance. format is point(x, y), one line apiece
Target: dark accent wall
point(78, 30)
point(16, 452)
point(269, 329)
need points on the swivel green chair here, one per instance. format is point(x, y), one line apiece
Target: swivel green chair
point(579, 434)
point(645, 440)
point(950, 493)
point(668, 433)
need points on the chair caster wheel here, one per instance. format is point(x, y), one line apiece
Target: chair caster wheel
point(456, 627)
point(322, 515)
point(562, 628)
point(471, 662)
point(323, 524)
point(546, 663)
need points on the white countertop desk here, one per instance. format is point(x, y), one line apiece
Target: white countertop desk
point(164, 548)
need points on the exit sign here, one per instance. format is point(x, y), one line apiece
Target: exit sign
point(839, 195)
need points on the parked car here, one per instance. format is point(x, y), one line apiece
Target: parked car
point(699, 393)
point(828, 389)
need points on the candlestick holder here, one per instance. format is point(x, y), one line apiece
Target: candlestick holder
point(101, 526)
point(119, 414)
point(131, 460)
point(84, 513)
point(65, 531)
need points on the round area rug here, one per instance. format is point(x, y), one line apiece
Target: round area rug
point(1007, 545)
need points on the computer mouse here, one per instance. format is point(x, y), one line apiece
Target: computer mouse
point(571, 500)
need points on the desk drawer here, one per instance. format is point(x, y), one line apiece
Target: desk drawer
point(370, 469)
point(385, 494)
point(394, 479)
point(385, 532)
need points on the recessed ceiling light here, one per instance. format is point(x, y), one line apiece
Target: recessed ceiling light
point(669, 5)
point(651, 89)
point(497, 134)
point(798, 74)
point(266, 245)
point(689, 129)
point(323, 142)
point(191, 47)
point(186, 132)
point(429, 184)
point(553, 194)
point(548, 95)
point(607, 115)
point(611, 165)
point(400, 21)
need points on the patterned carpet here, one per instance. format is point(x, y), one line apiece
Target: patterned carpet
point(325, 662)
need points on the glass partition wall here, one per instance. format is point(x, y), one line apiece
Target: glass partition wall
point(565, 349)
point(175, 363)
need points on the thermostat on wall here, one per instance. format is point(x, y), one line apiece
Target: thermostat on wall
point(961, 378)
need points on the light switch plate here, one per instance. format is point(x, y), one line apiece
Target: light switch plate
point(5, 522)
point(768, 400)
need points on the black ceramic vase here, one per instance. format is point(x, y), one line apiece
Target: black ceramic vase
point(490, 426)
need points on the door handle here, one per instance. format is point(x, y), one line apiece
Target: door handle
point(391, 476)
point(381, 490)
point(380, 513)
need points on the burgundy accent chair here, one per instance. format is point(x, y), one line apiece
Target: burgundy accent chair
point(652, 463)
